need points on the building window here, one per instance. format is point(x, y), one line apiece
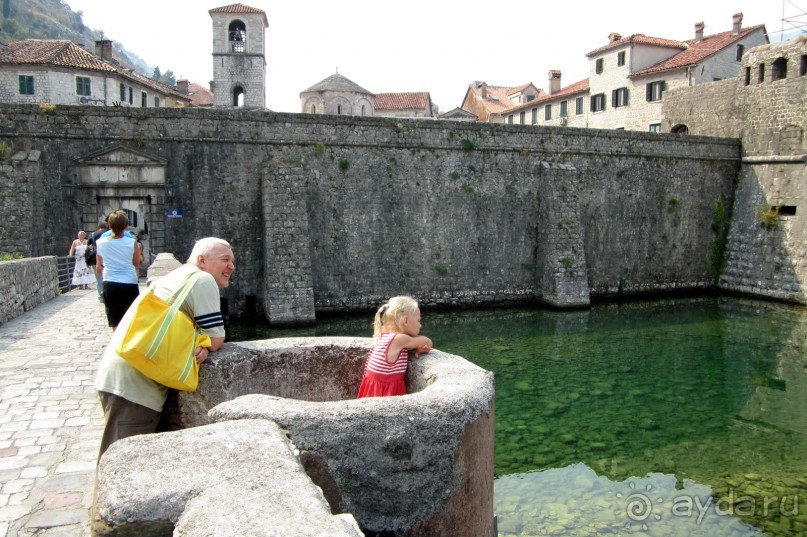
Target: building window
point(338, 109)
point(578, 106)
point(534, 116)
point(740, 51)
point(655, 127)
point(761, 75)
point(510, 119)
point(598, 102)
point(522, 120)
point(144, 99)
point(655, 90)
point(26, 84)
point(619, 97)
point(803, 65)
point(598, 66)
point(779, 69)
point(83, 86)
point(156, 102)
point(131, 95)
point(547, 112)
point(122, 92)
point(564, 108)
point(620, 59)
point(747, 76)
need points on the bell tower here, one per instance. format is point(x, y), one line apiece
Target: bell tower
point(239, 56)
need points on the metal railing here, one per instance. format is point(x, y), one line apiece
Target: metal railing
point(65, 265)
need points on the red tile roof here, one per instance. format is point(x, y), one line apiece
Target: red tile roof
point(699, 51)
point(571, 89)
point(58, 52)
point(240, 8)
point(403, 101)
point(640, 39)
point(200, 96)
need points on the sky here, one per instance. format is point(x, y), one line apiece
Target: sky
point(438, 46)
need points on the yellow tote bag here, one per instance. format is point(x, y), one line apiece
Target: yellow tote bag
point(161, 339)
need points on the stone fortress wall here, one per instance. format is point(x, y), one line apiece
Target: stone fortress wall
point(766, 108)
point(339, 213)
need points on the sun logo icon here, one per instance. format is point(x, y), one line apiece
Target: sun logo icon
point(639, 507)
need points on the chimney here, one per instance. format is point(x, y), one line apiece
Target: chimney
point(699, 26)
point(103, 49)
point(737, 20)
point(182, 86)
point(483, 90)
point(613, 37)
point(554, 81)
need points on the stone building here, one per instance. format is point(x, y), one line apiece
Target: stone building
point(239, 56)
point(55, 71)
point(629, 76)
point(489, 103)
point(407, 104)
point(766, 108)
point(338, 95)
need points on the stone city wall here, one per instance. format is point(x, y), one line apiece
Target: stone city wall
point(26, 283)
point(343, 212)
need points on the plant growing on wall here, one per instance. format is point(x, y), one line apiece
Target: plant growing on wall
point(5, 150)
point(769, 216)
point(6, 256)
point(467, 145)
point(454, 175)
point(718, 260)
point(319, 148)
point(441, 270)
point(344, 164)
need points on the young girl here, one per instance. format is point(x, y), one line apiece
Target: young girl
point(396, 327)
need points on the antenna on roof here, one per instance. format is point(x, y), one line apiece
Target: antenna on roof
point(337, 69)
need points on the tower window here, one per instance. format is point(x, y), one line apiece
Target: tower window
point(761, 73)
point(237, 33)
point(779, 69)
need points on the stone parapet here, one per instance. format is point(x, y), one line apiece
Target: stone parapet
point(419, 464)
point(25, 284)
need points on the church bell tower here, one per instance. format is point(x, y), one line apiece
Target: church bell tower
point(239, 56)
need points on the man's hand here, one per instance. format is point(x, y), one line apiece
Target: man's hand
point(201, 354)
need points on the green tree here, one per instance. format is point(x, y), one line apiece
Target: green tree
point(156, 75)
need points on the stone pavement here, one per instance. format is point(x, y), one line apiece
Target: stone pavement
point(50, 417)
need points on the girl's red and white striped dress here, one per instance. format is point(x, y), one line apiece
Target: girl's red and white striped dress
point(382, 378)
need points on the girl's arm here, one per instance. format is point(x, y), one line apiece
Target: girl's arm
point(402, 341)
point(72, 248)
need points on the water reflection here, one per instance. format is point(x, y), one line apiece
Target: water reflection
point(576, 501)
point(709, 393)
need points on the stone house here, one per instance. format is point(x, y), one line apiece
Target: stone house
point(58, 71)
point(408, 104)
point(629, 76)
point(489, 103)
point(338, 95)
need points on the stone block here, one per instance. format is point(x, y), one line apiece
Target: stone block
point(227, 479)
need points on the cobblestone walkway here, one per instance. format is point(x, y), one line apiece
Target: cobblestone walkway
point(50, 417)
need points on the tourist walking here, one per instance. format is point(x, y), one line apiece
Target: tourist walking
point(395, 328)
point(131, 401)
point(118, 258)
point(92, 258)
point(82, 274)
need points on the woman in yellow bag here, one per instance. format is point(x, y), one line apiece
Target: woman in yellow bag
point(131, 401)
